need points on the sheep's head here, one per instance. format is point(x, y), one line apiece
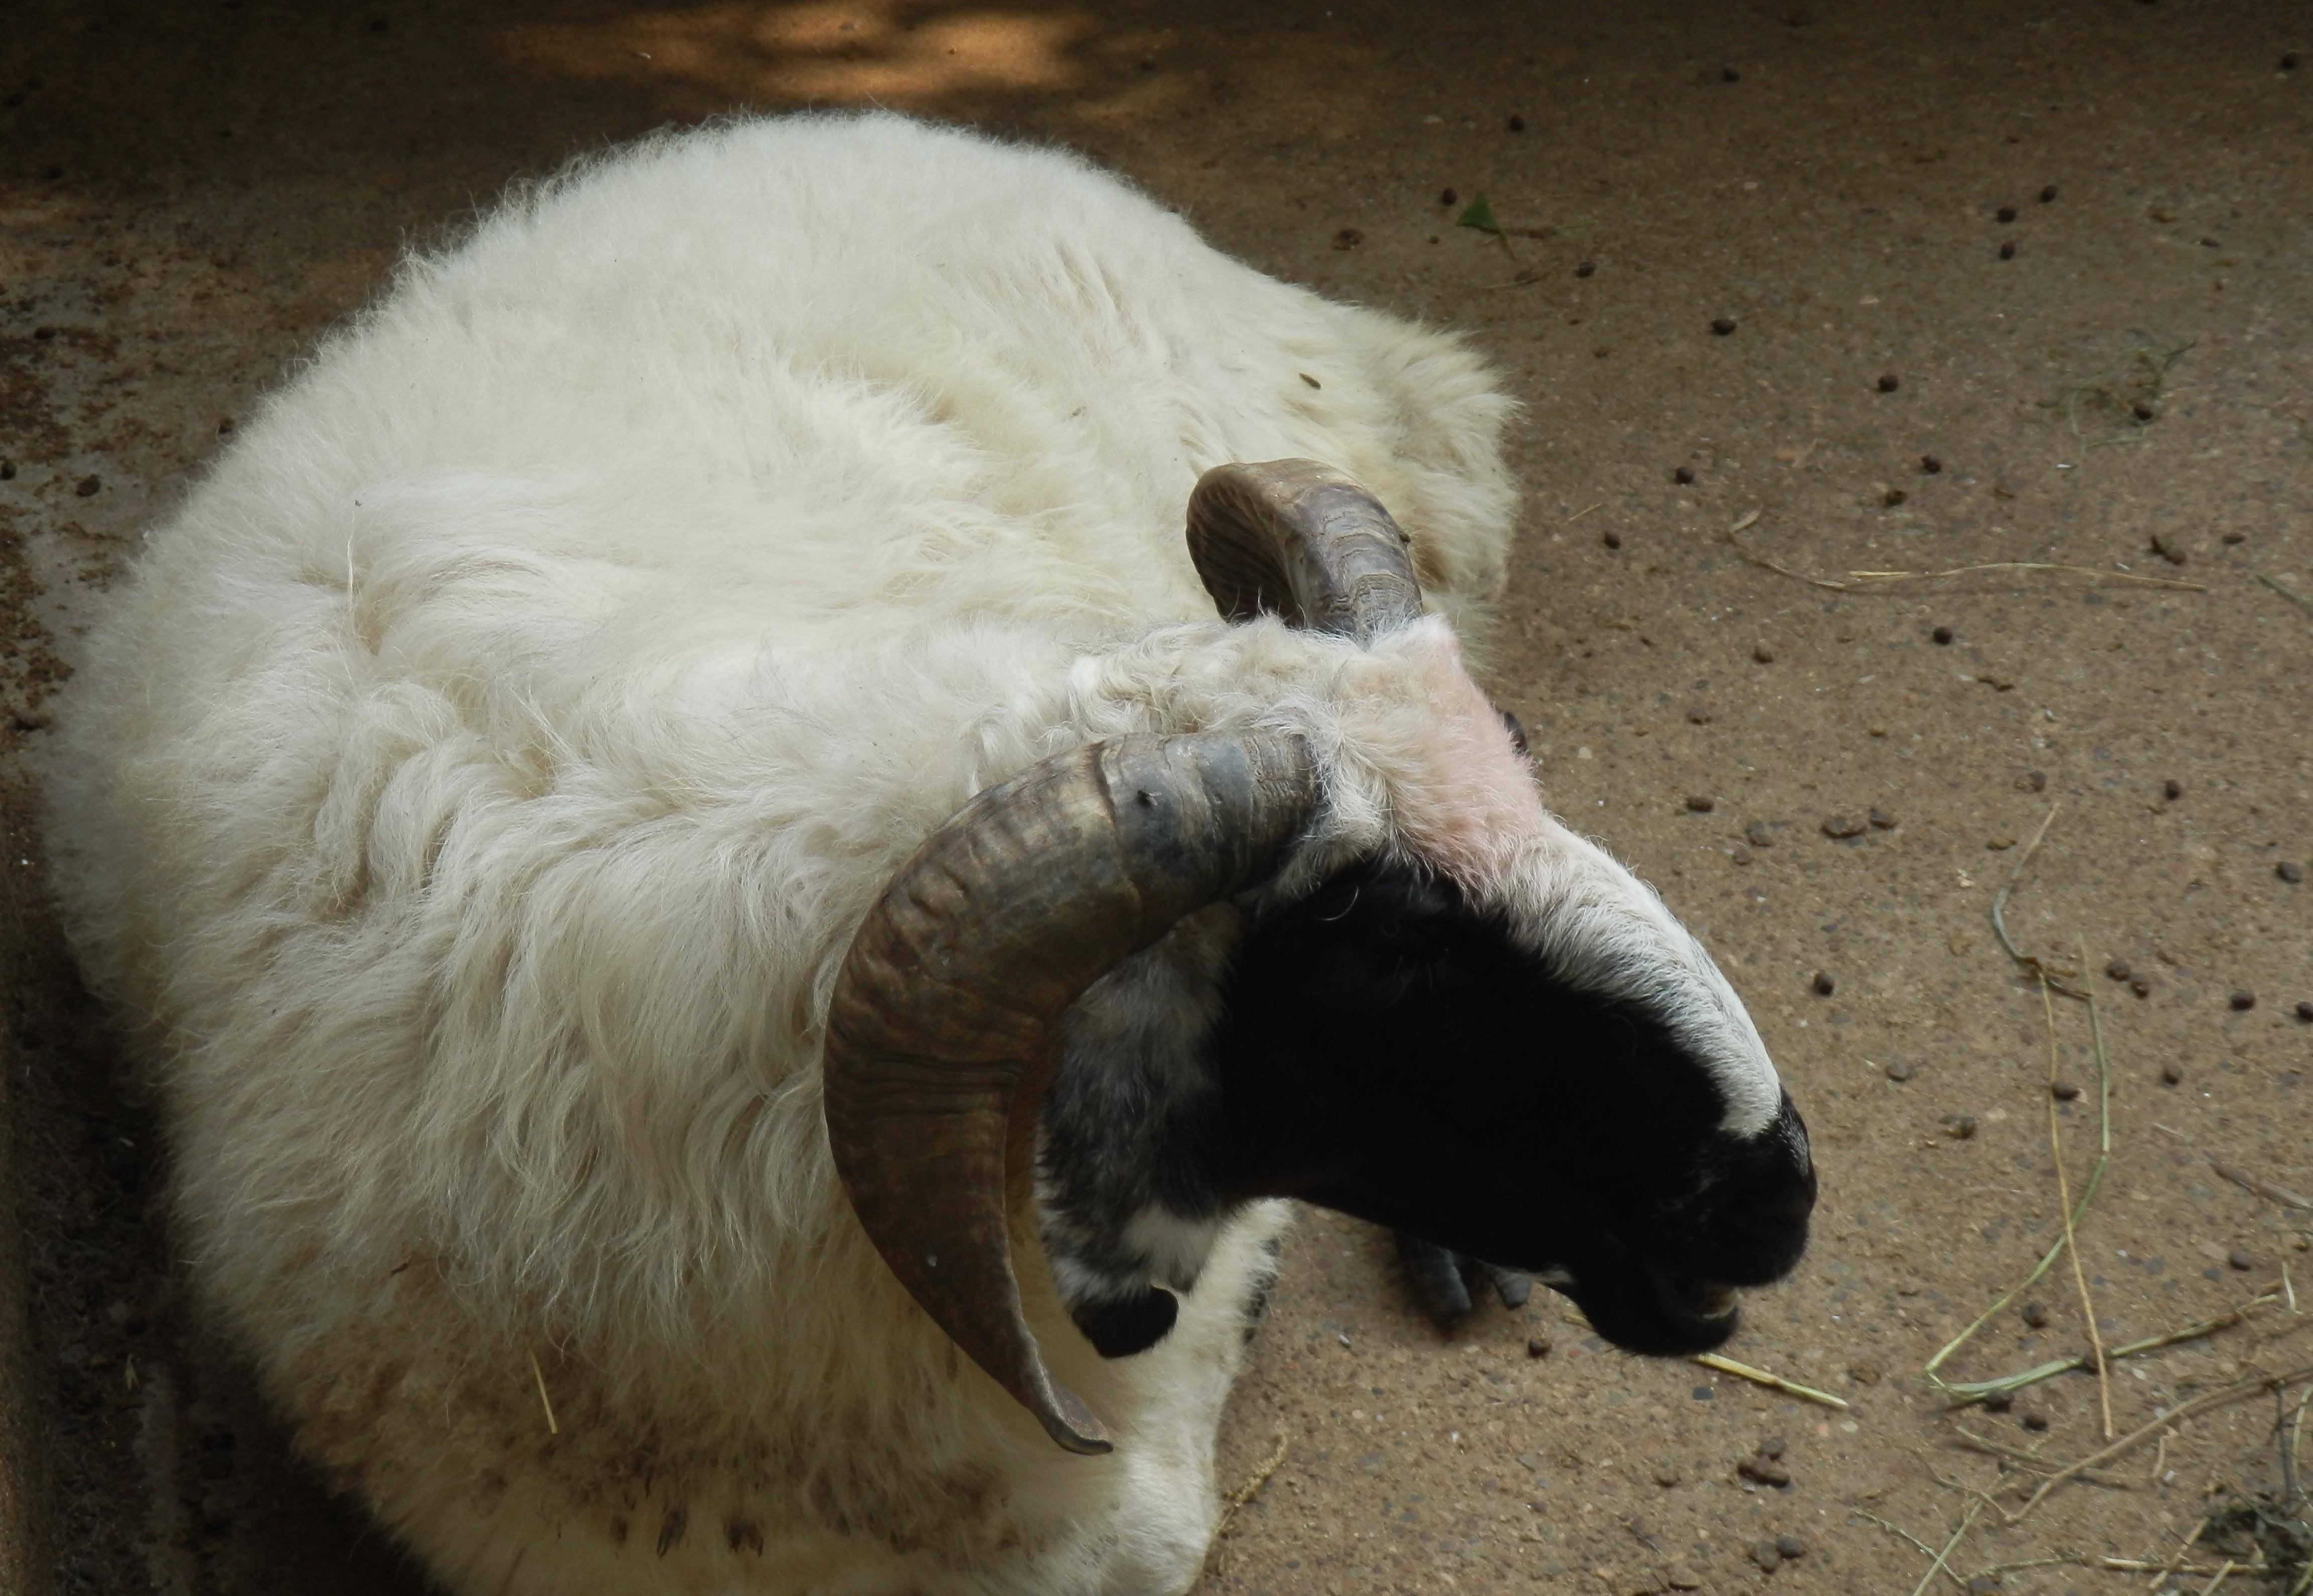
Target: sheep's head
point(1472, 1024)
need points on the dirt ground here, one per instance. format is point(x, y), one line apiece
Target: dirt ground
point(1887, 288)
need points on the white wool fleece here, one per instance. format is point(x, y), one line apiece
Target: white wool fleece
point(473, 793)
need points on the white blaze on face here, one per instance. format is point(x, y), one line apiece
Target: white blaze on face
point(1423, 752)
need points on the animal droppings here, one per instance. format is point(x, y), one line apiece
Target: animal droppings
point(1727, 74)
point(1889, 382)
point(1723, 326)
point(1894, 496)
point(2141, 987)
point(1684, 474)
point(2007, 250)
point(1584, 268)
point(1611, 540)
point(2305, 1010)
point(1863, 1374)
point(1762, 654)
point(1999, 1402)
point(2116, 969)
point(1793, 1547)
point(2035, 1315)
point(2172, 789)
point(2242, 1002)
point(2142, 410)
point(1516, 124)
point(88, 486)
point(2064, 1092)
point(1349, 238)
point(1538, 1347)
point(2006, 213)
point(2172, 1073)
point(1824, 984)
point(2031, 780)
point(1930, 465)
point(1763, 1470)
point(2036, 1422)
point(1446, 197)
point(1942, 635)
point(2048, 194)
point(2290, 870)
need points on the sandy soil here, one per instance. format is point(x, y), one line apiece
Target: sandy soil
point(189, 193)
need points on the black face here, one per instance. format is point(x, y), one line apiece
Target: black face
point(1389, 1053)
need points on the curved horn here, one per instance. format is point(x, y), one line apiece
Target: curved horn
point(1304, 541)
point(943, 1030)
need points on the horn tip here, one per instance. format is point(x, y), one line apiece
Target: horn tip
point(1069, 1422)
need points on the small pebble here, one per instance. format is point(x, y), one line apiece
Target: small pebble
point(1516, 124)
point(2035, 1315)
point(1666, 1476)
point(1727, 74)
point(1611, 540)
point(1772, 1448)
point(1446, 197)
point(1757, 835)
point(2048, 194)
point(1793, 1546)
point(225, 427)
point(2000, 1402)
point(87, 486)
point(1680, 1577)
point(1766, 1557)
point(1959, 1127)
point(1723, 325)
point(1942, 635)
point(1696, 803)
point(2243, 1002)
point(2006, 213)
point(1684, 474)
point(1881, 820)
point(1894, 496)
point(1349, 238)
point(2289, 63)
point(2173, 553)
point(2240, 1261)
point(1999, 844)
point(2035, 1421)
point(2140, 410)
point(2031, 780)
point(1889, 382)
point(1698, 717)
point(2234, 538)
point(2141, 987)
point(2172, 789)
point(1930, 465)
point(2007, 250)
point(2172, 1073)
point(1863, 1374)
point(1900, 1072)
point(1762, 654)
point(1764, 1471)
point(2305, 1010)
point(1585, 268)
point(7, 470)
point(1824, 984)
point(2064, 1092)
point(1538, 1347)
point(2290, 870)
point(2116, 969)
point(1841, 827)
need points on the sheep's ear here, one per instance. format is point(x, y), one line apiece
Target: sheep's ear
point(942, 1035)
point(1299, 540)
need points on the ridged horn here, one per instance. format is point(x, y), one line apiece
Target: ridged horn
point(1301, 540)
point(943, 1030)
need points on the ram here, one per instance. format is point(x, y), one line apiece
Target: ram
point(737, 935)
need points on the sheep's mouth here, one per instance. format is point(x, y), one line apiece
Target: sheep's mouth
point(1645, 1307)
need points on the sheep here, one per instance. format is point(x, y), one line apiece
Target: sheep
point(736, 934)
